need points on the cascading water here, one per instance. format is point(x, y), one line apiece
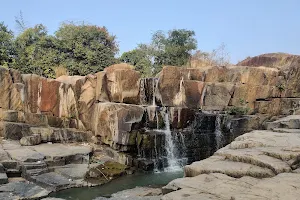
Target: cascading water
point(218, 132)
point(173, 164)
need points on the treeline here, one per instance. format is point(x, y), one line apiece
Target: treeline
point(81, 49)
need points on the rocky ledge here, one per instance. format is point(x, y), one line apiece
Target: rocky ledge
point(262, 164)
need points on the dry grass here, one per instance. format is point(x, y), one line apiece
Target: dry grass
point(60, 71)
point(218, 57)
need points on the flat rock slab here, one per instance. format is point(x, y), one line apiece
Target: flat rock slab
point(25, 154)
point(53, 181)
point(218, 164)
point(61, 150)
point(50, 198)
point(222, 187)
point(73, 171)
point(23, 190)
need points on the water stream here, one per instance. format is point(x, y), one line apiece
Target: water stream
point(119, 184)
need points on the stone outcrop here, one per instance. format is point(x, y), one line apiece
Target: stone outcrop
point(261, 164)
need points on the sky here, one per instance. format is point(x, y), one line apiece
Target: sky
point(246, 27)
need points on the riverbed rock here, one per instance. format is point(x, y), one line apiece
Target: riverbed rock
point(23, 190)
point(255, 165)
point(31, 140)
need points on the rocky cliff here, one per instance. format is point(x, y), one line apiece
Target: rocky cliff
point(118, 108)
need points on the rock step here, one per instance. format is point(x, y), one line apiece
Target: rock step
point(34, 165)
point(286, 130)
point(61, 135)
point(255, 157)
point(289, 122)
point(34, 168)
point(3, 178)
point(53, 181)
point(218, 164)
point(35, 172)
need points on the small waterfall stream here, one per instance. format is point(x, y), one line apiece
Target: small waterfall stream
point(173, 164)
point(218, 132)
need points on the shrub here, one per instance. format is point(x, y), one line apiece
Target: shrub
point(237, 110)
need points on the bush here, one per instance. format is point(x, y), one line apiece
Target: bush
point(237, 110)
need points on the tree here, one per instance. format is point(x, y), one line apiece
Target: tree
point(37, 52)
point(175, 49)
point(139, 59)
point(86, 48)
point(6, 45)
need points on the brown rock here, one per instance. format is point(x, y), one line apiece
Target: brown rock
point(122, 83)
point(113, 121)
point(5, 88)
point(217, 95)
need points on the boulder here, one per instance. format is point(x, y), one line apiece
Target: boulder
point(114, 122)
point(122, 83)
point(217, 95)
point(179, 91)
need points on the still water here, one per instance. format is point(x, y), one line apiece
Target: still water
point(119, 184)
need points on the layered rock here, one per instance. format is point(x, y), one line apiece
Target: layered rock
point(255, 165)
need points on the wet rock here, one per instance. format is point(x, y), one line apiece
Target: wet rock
point(104, 172)
point(34, 139)
point(144, 164)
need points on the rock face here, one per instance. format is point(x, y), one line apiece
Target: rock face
point(260, 164)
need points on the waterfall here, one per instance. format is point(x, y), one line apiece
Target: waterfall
point(218, 132)
point(173, 164)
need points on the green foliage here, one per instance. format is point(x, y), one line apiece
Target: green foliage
point(171, 49)
point(6, 45)
point(85, 48)
point(139, 59)
point(82, 49)
point(281, 87)
point(237, 110)
point(36, 52)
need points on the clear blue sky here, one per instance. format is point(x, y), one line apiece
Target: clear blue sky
point(247, 27)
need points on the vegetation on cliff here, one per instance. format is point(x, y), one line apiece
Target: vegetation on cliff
point(81, 49)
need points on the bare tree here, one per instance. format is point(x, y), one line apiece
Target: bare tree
point(20, 22)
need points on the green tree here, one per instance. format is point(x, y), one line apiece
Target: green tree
point(139, 58)
point(6, 45)
point(174, 48)
point(37, 52)
point(86, 48)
